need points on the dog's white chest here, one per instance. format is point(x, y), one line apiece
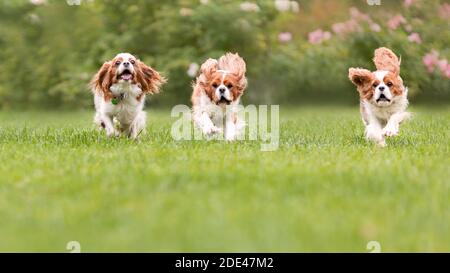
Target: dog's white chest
point(384, 113)
point(127, 102)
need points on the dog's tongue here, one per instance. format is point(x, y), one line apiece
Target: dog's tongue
point(126, 76)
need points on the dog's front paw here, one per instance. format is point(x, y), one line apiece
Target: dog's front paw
point(376, 135)
point(390, 130)
point(230, 137)
point(381, 143)
point(211, 130)
point(230, 134)
point(112, 133)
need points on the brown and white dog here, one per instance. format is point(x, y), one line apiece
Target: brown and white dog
point(383, 96)
point(119, 89)
point(216, 95)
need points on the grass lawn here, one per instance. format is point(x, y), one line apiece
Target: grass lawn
point(325, 189)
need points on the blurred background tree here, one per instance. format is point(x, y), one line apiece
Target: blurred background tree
point(296, 51)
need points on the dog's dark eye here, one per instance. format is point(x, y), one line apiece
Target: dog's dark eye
point(132, 61)
point(390, 84)
point(375, 85)
point(215, 85)
point(230, 86)
point(118, 63)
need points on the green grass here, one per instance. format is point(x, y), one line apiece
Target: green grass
point(325, 189)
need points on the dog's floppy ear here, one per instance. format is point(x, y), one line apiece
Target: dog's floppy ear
point(148, 78)
point(102, 80)
point(363, 79)
point(386, 60)
point(360, 77)
point(235, 65)
point(207, 69)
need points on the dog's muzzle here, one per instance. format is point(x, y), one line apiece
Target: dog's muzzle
point(223, 100)
point(382, 97)
point(126, 75)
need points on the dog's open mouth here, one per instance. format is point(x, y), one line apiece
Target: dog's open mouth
point(126, 75)
point(383, 98)
point(223, 100)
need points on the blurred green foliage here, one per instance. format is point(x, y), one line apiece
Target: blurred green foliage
point(50, 49)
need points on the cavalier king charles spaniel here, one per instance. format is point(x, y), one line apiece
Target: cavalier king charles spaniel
point(383, 97)
point(216, 95)
point(119, 89)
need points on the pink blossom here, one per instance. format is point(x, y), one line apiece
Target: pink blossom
point(285, 37)
point(249, 7)
point(346, 27)
point(359, 16)
point(354, 24)
point(444, 11)
point(287, 5)
point(430, 60)
point(339, 28)
point(282, 5)
point(442, 65)
point(193, 69)
point(408, 3)
point(375, 27)
point(34, 18)
point(318, 36)
point(186, 12)
point(295, 7)
point(415, 38)
point(38, 2)
point(396, 21)
point(447, 71)
point(408, 28)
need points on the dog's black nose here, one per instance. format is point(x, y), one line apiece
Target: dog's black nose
point(126, 64)
point(222, 90)
point(381, 88)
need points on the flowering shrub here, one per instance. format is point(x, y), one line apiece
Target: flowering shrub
point(296, 51)
point(318, 63)
point(433, 63)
